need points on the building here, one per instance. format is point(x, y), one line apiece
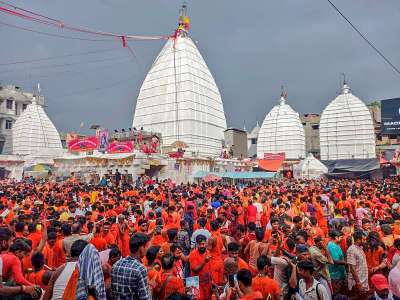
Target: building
point(384, 142)
point(282, 131)
point(236, 142)
point(34, 134)
point(180, 99)
point(252, 139)
point(346, 128)
point(13, 101)
point(311, 129)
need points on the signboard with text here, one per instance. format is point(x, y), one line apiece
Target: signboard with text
point(85, 144)
point(390, 116)
point(120, 147)
point(275, 156)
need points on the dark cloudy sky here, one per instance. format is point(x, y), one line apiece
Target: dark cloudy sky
point(251, 48)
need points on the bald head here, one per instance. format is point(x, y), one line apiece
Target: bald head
point(76, 228)
point(230, 266)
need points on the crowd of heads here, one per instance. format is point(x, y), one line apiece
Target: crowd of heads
point(289, 231)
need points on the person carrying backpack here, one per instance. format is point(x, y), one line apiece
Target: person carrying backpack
point(309, 287)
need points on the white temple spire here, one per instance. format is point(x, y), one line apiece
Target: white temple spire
point(346, 89)
point(282, 131)
point(283, 95)
point(34, 134)
point(179, 97)
point(346, 128)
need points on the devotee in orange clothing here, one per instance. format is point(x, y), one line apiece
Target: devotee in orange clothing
point(215, 243)
point(153, 267)
point(39, 276)
point(123, 236)
point(374, 254)
point(200, 266)
point(59, 254)
point(49, 251)
point(169, 282)
point(64, 282)
point(245, 285)
point(98, 241)
point(171, 236)
point(321, 218)
point(215, 248)
point(157, 239)
point(35, 237)
point(233, 252)
point(268, 287)
point(107, 235)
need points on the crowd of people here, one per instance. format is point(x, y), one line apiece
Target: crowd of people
point(287, 239)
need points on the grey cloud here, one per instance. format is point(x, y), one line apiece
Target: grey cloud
point(251, 47)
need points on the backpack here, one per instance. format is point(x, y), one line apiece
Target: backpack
point(317, 290)
point(319, 297)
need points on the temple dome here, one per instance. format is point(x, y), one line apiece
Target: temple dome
point(254, 132)
point(346, 128)
point(282, 131)
point(252, 141)
point(180, 99)
point(34, 134)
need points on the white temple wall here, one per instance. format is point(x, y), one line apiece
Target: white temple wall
point(179, 98)
point(186, 170)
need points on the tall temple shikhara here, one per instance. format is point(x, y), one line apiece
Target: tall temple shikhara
point(35, 134)
point(282, 131)
point(179, 97)
point(346, 128)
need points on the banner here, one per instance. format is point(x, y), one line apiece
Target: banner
point(120, 147)
point(86, 144)
point(390, 116)
point(103, 136)
point(272, 161)
point(275, 156)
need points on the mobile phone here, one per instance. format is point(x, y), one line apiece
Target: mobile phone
point(231, 280)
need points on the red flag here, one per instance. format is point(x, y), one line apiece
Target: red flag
point(123, 38)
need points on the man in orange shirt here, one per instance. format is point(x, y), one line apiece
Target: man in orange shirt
point(98, 241)
point(215, 243)
point(274, 227)
point(49, 250)
point(158, 239)
point(107, 235)
point(268, 287)
point(215, 247)
point(123, 235)
point(316, 228)
point(170, 283)
point(171, 235)
point(39, 276)
point(233, 252)
point(200, 266)
point(246, 291)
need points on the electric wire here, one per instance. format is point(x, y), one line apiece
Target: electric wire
point(17, 62)
point(55, 34)
point(62, 65)
point(38, 18)
point(85, 91)
point(71, 72)
point(397, 70)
